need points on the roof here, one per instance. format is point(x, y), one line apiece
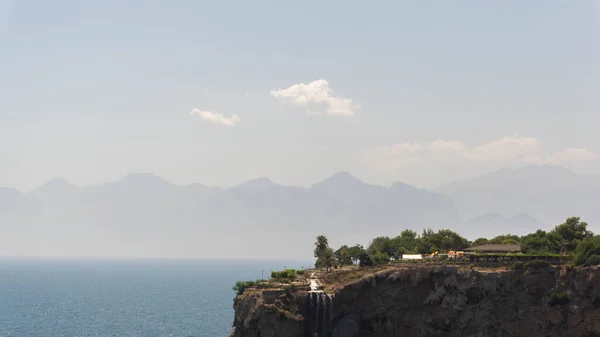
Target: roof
point(495, 247)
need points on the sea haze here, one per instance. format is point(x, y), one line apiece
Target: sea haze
point(117, 297)
point(143, 215)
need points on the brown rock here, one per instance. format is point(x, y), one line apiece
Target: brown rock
point(436, 301)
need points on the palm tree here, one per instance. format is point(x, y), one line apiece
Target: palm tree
point(327, 259)
point(320, 245)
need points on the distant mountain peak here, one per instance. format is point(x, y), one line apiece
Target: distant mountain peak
point(398, 185)
point(491, 215)
point(257, 183)
point(342, 178)
point(343, 174)
point(525, 217)
point(56, 184)
point(501, 178)
point(141, 175)
point(141, 178)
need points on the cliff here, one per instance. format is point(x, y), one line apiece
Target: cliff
point(431, 301)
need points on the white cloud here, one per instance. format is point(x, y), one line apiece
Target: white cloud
point(317, 95)
point(215, 117)
point(505, 149)
point(510, 150)
point(393, 158)
point(571, 155)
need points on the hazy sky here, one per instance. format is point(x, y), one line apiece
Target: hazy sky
point(219, 92)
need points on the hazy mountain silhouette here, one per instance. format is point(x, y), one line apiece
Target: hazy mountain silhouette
point(492, 224)
point(548, 193)
point(143, 214)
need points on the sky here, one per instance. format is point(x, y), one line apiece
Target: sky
point(222, 92)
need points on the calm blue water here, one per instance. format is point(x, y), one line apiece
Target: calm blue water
point(51, 298)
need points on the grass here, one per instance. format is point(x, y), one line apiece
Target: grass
point(340, 278)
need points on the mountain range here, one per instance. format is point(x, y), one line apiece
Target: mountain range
point(145, 215)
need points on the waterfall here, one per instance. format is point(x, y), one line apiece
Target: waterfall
point(312, 316)
point(318, 298)
point(328, 312)
point(321, 305)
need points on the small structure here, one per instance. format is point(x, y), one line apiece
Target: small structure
point(494, 248)
point(412, 257)
point(455, 255)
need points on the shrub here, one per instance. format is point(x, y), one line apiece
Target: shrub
point(241, 286)
point(558, 299)
point(380, 258)
point(266, 285)
point(284, 274)
point(593, 260)
point(586, 249)
point(365, 260)
point(518, 265)
point(289, 289)
point(537, 264)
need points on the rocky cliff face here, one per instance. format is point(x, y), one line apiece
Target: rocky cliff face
point(435, 301)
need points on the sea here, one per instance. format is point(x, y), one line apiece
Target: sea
point(123, 297)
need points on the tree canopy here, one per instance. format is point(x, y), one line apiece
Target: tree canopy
point(541, 242)
point(410, 242)
point(320, 245)
point(570, 237)
point(343, 256)
point(507, 239)
point(571, 232)
point(479, 242)
point(587, 252)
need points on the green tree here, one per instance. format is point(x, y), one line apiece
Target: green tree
point(241, 286)
point(540, 242)
point(355, 252)
point(365, 260)
point(587, 252)
point(479, 242)
point(327, 259)
point(406, 242)
point(425, 243)
point(571, 232)
point(380, 258)
point(320, 245)
point(506, 239)
point(343, 256)
point(446, 239)
point(382, 244)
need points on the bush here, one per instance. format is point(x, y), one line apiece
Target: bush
point(559, 299)
point(365, 260)
point(593, 260)
point(290, 289)
point(241, 286)
point(518, 265)
point(284, 274)
point(380, 258)
point(538, 264)
point(585, 250)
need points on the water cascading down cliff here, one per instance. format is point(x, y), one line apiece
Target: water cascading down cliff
point(319, 324)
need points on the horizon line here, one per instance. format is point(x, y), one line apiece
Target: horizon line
point(278, 184)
